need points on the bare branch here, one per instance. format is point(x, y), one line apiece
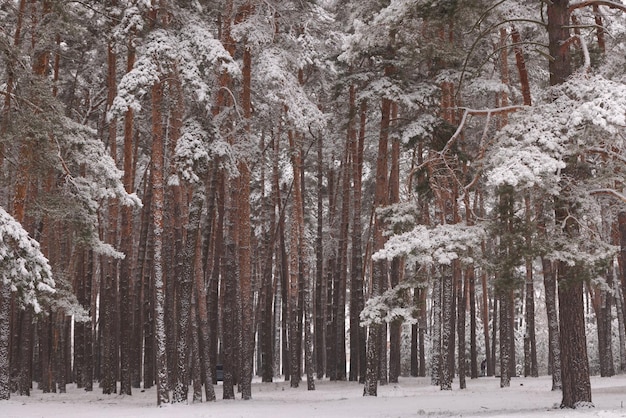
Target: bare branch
point(607, 3)
point(492, 111)
point(611, 192)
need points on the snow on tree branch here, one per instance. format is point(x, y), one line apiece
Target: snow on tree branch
point(575, 116)
point(196, 147)
point(396, 304)
point(194, 52)
point(433, 245)
point(284, 89)
point(22, 265)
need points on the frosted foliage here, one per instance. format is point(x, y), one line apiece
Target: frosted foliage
point(433, 245)
point(257, 30)
point(589, 250)
point(132, 18)
point(192, 53)
point(192, 151)
point(102, 178)
point(420, 95)
point(198, 51)
point(285, 90)
point(65, 301)
point(133, 86)
point(22, 265)
point(421, 127)
point(374, 34)
point(396, 304)
point(586, 112)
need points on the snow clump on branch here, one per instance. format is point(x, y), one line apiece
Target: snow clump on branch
point(23, 267)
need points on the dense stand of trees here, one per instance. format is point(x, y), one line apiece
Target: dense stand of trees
point(352, 190)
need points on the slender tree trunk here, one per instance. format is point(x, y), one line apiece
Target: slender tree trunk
point(184, 296)
point(357, 338)
point(339, 302)
point(320, 314)
point(395, 328)
point(463, 287)
point(506, 302)
point(244, 244)
point(5, 315)
point(145, 277)
point(617, 289)
point(196, 365)
point(129, 357)
point(530, 341)
point(553, 322)
point(158, 185)
point(204, 339)
point(331, 334)
point(379, 269)
point(447, 328)
point(435, 338)
point(621, 227)
point(215, 317)
point(494, 334)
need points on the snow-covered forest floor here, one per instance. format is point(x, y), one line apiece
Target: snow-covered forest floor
point(412, 397)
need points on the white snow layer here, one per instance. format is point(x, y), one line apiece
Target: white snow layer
point(412, 397)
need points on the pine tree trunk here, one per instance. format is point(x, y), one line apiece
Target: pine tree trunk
point(379, 270)
point(129, 324)
point(342, 265)
point(574, 363)
point(320, 313)
point(574, 368)
point(245, 261)
point(196, 368)
point(308, 337)
point(5, 315)
point(553, 323)
point(395, 328)
point(506, 302)
point(494, 334)
point(621, 227)
point(145, 276)
point(447, 328)
point(202, 328)
point(620, 325)
point(435, 348)
point(216, 320)
point(331, 334)
point(601, 303)
point(463, 287)
point(358, 335)
point(158, 186)
point(472, 304)
point(296, 254)
point(229, 312)
point(184, 296)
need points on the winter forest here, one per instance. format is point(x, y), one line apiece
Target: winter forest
point(311, 190)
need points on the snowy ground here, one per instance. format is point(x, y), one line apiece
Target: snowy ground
point(412, 397)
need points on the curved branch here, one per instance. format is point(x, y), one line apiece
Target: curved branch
point(607, 3)
point(610, 192)
point(484, 15)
